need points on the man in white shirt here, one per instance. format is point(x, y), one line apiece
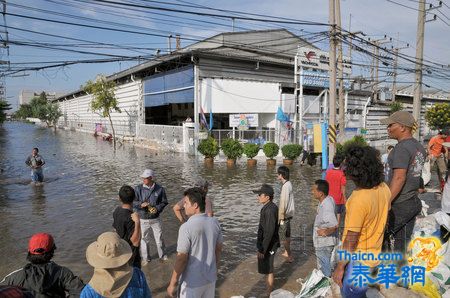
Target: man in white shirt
point(325, 226)
point(286, 211)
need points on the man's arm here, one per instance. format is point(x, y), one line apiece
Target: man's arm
point(180, 266)
point(269, 229)
point(72, 284)
point(177, 209)
point(397, 182)
point(283, 202)
point(350, 243)
point(163, 202)
point(136, 236)
point(218, 253)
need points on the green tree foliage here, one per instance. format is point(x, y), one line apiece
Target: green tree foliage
point(341, 149)
point(23, 112)
point(291, 151)
point(395, 106)
point(251, 150)
point(4, 106)
point(208, 147)
point(232, 148)
point(103, 99)
point(271, 150)
point(438, 116)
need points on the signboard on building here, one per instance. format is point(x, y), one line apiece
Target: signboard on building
point(320, 79)
point(243, 121)
point(317, 59)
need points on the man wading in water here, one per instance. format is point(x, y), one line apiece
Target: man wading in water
point(35, 162)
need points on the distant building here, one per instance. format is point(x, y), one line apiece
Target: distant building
point(26, 96)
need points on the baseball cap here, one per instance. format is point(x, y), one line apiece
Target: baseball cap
point(40, 243)
point(401, 117)
point(265, 189)
point(148, 173)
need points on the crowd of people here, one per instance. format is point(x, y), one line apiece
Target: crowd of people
point(379, 215)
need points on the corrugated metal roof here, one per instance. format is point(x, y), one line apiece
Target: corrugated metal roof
point(271, 46)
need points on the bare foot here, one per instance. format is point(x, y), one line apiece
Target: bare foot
point(285, 254)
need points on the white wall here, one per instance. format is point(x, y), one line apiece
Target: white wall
point(80, 115)
point(238, 96)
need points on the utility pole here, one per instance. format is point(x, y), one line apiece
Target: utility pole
point(419, 60)
point(377, 43)
point(394, 75)
point(341, 73)
point(332, 64)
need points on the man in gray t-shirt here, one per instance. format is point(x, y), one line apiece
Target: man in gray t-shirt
point(405, 163)
point(199, 247)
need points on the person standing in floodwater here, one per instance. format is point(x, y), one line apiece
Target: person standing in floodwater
point(35, 162)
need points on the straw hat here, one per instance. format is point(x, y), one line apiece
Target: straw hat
point(109, 251)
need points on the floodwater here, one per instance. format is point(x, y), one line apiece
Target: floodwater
point(77, 199)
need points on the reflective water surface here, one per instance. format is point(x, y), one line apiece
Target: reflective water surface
point(82, 179)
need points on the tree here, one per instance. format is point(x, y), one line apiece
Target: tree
point(395, 107)
point(103, 99)
point(52, 114)
point(4, 106)
point(438, 116)
point(23, 112)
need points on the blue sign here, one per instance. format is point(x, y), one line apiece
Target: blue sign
point(320, 79)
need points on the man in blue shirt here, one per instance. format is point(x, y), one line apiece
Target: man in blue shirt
point(149, 203)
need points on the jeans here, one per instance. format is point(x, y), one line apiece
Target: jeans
point(155, 225)
point(323, 255)
point(401, 219)
point(37, 175)
point(350, 290)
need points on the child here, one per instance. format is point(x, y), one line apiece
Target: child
point(337, 181)
point(127, 223)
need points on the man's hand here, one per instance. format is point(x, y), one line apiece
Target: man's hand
point(260, 255)
point(135, 217)
point(321, 232)
point(172, 290)
point(145, 204)
point(338, 274)
point(281, 222)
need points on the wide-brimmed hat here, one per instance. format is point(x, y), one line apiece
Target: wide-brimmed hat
point(109, 251)
point(401, 117)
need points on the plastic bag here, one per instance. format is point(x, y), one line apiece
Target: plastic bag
point(280, 293)
point(425, 226)
point(316, 285)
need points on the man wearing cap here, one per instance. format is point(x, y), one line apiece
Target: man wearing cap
point(41, 276)
point(268, 239)
point(113, 274)
point(178, 209)
point(437, 153)
point(149, 203)
point(405, 163)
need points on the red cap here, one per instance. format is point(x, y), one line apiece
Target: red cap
point(40, 243)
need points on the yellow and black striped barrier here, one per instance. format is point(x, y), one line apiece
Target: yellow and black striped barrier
point(332, 134)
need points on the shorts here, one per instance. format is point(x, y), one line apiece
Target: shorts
point(265, 265)
point(339, 208)
point(284, 230)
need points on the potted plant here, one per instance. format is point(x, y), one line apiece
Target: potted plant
point(232, 150)
point(291, 152)
point(251, 150)
point(208, 148)
point(271, 150)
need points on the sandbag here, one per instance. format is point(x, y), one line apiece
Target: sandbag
point(316, 285)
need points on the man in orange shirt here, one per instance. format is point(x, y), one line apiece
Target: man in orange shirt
point(437, 153)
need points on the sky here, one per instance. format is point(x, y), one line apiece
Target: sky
point(397, 19)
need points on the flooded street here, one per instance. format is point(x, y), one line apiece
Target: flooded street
point(82, 179)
